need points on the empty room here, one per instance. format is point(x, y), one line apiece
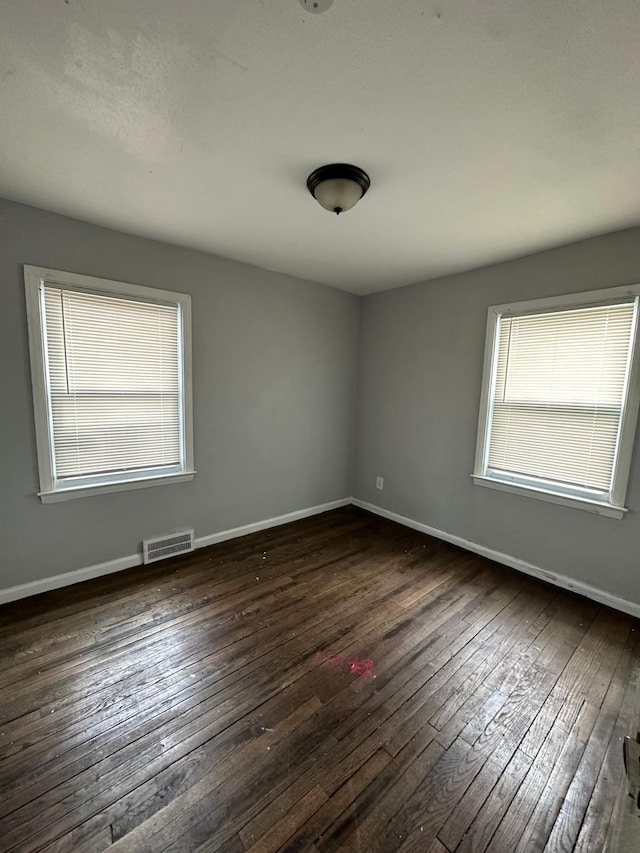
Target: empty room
point(320, 476)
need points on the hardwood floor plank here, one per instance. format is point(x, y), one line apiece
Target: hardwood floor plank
point(453, 674)
point(373, 811)
point(100, 605)
point(534, 797)
point(335, 684)
point(325, 817)
point(297, 816)
point(486, 660)
point(417, 824)
point(137, 697)
point(593, 832)
point(540, 824)
point(478, 835)
point(235, 778)
point(568, 823)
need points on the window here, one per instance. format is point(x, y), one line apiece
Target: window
point(111, 375)
point(560, 399)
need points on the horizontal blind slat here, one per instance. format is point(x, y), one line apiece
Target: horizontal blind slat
point(557, 394)
point(114, 379)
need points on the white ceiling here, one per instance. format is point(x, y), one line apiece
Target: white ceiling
point(490, 128)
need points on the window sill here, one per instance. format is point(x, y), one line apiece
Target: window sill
point(121, 486)
point(552, 497)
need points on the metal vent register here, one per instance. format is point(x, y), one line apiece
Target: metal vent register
point(167, 546)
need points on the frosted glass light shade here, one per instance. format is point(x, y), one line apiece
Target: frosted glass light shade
point(338, 194)
point(338, 187)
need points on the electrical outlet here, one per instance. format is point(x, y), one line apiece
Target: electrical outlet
point(380, 483)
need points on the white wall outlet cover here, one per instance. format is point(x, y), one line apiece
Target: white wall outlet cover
point(316, 6)
point(380, 483)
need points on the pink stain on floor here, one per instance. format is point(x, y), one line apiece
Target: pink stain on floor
point(357, 667)
point(362, 667)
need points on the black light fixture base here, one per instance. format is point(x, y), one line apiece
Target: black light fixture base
point(338, 170)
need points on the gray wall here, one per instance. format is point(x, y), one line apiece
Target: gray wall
point(274, 398)
point(420, 368)
point(274, 383)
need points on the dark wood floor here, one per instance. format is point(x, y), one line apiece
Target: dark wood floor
point(341, 683)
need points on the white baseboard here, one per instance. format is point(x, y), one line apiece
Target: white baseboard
point(593, 592)
point(57, 581)
point(245, 530)
point(13, 593)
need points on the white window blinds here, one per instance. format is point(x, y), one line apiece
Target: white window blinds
point(557, 395)
point(113, 383)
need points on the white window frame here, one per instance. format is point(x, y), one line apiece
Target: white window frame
point(52, 490)
point(540, 489)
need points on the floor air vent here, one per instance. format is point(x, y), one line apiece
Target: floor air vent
point(167, 546)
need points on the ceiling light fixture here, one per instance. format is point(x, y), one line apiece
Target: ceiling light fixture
point(338, 187)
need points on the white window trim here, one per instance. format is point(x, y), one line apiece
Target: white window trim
point(614, 508)
point(35, 279)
